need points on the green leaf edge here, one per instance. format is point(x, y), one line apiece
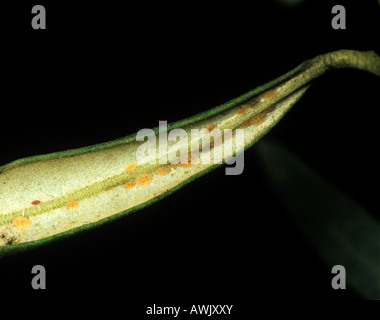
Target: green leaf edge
point(200, 116)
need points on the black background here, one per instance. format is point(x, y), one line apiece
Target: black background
point(103, 71)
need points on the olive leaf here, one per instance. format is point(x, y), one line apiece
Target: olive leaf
point(50, 196)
